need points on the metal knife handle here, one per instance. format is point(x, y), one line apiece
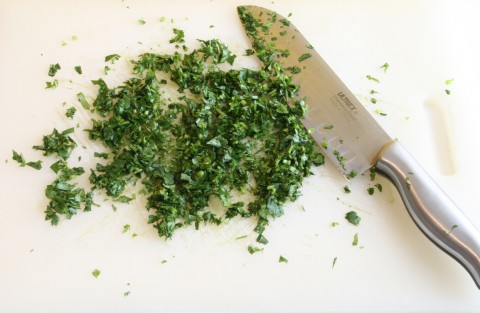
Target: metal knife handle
point(431, 209)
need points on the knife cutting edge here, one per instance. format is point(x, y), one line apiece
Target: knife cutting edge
point(350, 137)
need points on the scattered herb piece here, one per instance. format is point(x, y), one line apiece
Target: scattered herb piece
point(18, 157)
point(346, 189)
point(51, 85)
point(96, 273)
point(450, 231)
point(179, 36)
point(53, 69)
point(373, 100)
point(281, 259)
point(141, 21)
point(163, 19)
point(74, 38)
point(253, 249)
point(102, 155)
point(373, 173)
point(328, 127)
point(126, 228)
point(112, 58)
point(126, 293)
point(163, 261)
point(58, 143)
point(78, 69)
point(70, 112)
point(369, 77)
point(335, 224)
point(304, 57)
point(370, 190)
point(353, 218)
point(352, 174)
point(380, 112)
point(355, 240)
point(385, 67)
point(334, 262)
point(83, 101)
point(241, 237)
point(379, 187)
point(407, 182)
point(36, 165)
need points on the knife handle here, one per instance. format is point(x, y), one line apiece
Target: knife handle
point(431, 209)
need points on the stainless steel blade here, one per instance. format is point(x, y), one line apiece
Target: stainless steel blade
point(343, 128)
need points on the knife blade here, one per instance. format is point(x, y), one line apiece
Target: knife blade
point(350, 137)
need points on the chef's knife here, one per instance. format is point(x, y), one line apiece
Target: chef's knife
point(352, 139)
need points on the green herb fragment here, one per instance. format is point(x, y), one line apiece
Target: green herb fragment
point(355, 240)
point(126, 293)
point(407, 182)
point(96, 273)
point(346, 189)
point(36, 165)
point(328, 126)
point(74, 38)
point(281, 259)
point(372, 92)
point(162, 19)
point(217, 51)
point(112, 58)
point(448, 233)
point(304, 57)
point(102, 155)
point(353, 218)
point(141, 21)
point(449, 81)
point(163, 261)
point(294, 69)
point(179, 36)
point(106, 69)
point(51, 85)
point(58, 143)
point(18, 157)
point(385, 67)
point(241, 237)
point(253, 249)
point(262, 239)
point(211, 26)
point(134, 235)
point(70, 112)
point(283, 33)
point(371, 191)
point(78, 69)
point(373, 173)
point(64, 43)
point(53, 69)
point(340, 158)
point(379, 187)
point(83, 101)
point(447, 91)
point(380, 112)
point(334, 262)
point(335, 224)
point(285, 22)
point(126, 228)
point(369, 77)
point(373, 100)
point(352, 174)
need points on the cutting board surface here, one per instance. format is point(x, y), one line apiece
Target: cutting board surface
point(393, 269)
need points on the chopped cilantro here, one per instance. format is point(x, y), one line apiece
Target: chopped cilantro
point(83, 101)
point(51, 85)
point(112, 58)
point(355, 240)
point(36, 165)
point(304, 57)
point(141, 21)
point(385, 67)
point(179, 36)
point(18, 157)
point(379, 187)
point(335, 224)
point(370, 190)
point(334, 262)
point(353, 218)
point(369, 77)
point(346, 189)
point(253, 249)
point(126, 228)
point(281, 259)
point(78, 69)
point(96, 273)
point(70, 112)
point(58, 143)
point(53, 69)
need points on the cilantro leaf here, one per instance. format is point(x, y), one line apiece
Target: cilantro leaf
point(353, 218)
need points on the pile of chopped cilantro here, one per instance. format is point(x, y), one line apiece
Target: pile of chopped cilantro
point(230, 131)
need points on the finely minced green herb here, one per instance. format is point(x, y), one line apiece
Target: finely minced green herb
point(51, 85)
point(380, 112)
point(126, 228)
point(102, 155)
point(253, 249)
point(70, 112)
point(83, 101)
point(282, 259)
point(112, 58)
point(78, 69)
point(334, 261)
point(52, 70)
point(353, 218)
point(385, 67)
point(18, 157)
point(379, 187)
point(373, 100)
point(335, 224)
point(373, 173)
point(369, 77)
point(36, 165)
point(304, 57)
point(231, 130)
point(346, 189)
point(96, 273)
point(450, 231)
point(106, 69)
point(141, 21)
point(448, 82)
point(241, 237)
point(370, 190)
point(355, 240)
point(58, 143)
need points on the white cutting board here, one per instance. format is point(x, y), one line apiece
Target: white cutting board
point(48, 269)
